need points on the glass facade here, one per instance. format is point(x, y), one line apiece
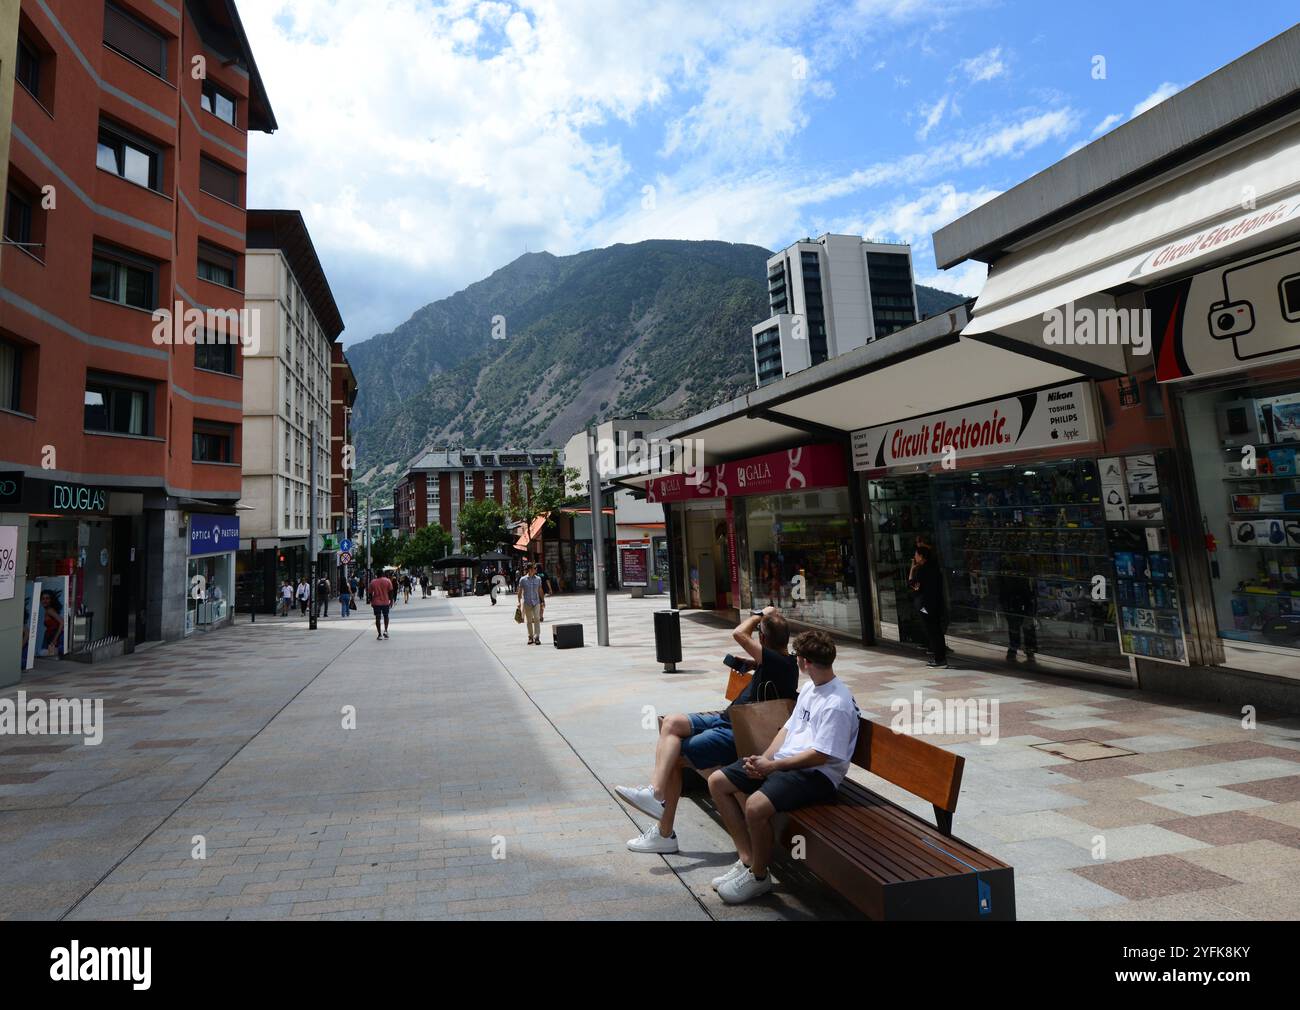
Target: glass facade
point(1021, 548)
point(211, 586)
point(795, 552)
point(1244, 441)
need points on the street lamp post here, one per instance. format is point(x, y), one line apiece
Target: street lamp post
point(597, 540)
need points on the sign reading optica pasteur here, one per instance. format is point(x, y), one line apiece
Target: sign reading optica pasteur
point(810, 466)
point(1062, 415)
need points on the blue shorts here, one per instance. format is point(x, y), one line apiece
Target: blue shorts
point(711, 743)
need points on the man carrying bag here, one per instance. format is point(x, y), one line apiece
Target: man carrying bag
point(705, 740)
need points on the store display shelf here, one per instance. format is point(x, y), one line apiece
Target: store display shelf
point(1262, 445)
point(1285, 594)
point(966, 608)
point(1265, 547)
point(1268, 476)
point(1054, 506)
point(1027, 529)
point(1294, 513)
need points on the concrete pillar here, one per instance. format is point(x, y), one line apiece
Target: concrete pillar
point(168, 574)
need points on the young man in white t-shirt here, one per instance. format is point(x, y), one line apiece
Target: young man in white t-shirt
point(802, 766)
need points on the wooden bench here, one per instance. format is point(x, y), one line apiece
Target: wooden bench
point(886, 861)
point(889, 863)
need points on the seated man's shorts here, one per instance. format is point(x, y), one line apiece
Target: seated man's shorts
point(711, 743)
point(788, 790)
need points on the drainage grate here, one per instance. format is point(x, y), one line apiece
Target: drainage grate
point(1082, 750)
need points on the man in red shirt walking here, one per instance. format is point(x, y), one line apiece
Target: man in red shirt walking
point(381, 598)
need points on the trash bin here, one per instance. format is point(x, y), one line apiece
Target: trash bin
point(668, 638)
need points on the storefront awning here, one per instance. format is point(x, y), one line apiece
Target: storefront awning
point(1246, 198)
point(924, 369)
point(526, 538)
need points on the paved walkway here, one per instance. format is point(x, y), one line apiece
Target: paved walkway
point(1201, 820)
point(470, 745)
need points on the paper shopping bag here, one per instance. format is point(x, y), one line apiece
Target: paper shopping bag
point(756, 725)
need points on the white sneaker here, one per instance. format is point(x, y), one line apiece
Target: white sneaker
point(732, 871)
point(744, 887)
point(651, 841)
point(643, 798)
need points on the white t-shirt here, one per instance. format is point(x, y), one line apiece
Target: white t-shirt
point(824, 719)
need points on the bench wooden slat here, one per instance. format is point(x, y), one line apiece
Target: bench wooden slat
point(884, 863)
point(867, 831)
point(887, 808)
point(921, 768)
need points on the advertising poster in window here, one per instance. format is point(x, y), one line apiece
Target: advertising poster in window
point(8, 561)
point(634, 566)
point(31, 622)
point(52, 616)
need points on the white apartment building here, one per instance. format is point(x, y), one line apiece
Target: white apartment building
point(828, 296)
point(287, 388)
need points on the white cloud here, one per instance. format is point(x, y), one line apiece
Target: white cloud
point(428, 144)
point(987, 66)
point(1155, 98)
point(933, 113)
point(1105, 125)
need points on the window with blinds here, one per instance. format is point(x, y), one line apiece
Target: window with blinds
point(135, 40)
point(219, 181)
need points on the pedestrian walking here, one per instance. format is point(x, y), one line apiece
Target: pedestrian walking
point(304, 596)
point(345, 596)
point(323, 595)
point(381, 591)
point(532, 597)
point(286, 598)
point(406, 588)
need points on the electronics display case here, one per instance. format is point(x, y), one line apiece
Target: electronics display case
point(1263, 523)
point(1147, 604)
point(1027, 541)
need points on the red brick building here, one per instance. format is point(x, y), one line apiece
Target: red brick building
point(343, 395)
point(126, 196)
point(439, 481)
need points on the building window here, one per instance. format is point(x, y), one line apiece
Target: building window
point(218, 266)
point(11, 370)
point(18, 218)
point(124, 279)
point(129, 158)
point(216, 355)
point(219, 102)
point(217, 180)
point(213, 443)
point(119, 406)
point(135, 40)
point(28, 71)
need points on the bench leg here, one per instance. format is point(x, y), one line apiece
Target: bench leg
point(943, 818)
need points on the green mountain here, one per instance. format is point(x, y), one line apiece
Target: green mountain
point(547, 344)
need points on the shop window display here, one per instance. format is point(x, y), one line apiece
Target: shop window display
point(1245, 445)
point(1020, 547)
point(799, 557)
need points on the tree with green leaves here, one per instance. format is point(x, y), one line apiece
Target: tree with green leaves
point(383, 550)
point(482, 526)
point(550, 494)
point(424, 548)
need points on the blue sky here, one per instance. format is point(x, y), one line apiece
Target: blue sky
point(428, 143)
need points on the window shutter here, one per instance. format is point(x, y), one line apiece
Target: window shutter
point(134, 40)
point(220, 181)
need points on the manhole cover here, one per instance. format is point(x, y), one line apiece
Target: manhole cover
point(1082, 750)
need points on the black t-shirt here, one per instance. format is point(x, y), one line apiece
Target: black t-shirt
point(779, 669)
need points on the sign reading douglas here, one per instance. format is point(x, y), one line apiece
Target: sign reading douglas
point(1061, 415)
